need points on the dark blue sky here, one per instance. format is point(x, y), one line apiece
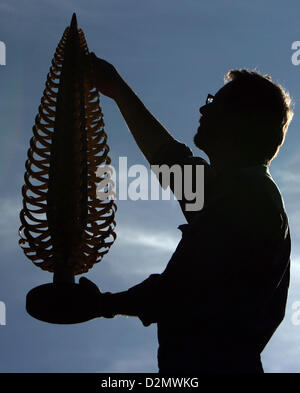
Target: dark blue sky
point(173, 53)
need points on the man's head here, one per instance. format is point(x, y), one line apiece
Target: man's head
point(248, 116)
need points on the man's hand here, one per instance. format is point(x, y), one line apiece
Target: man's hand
point(98, 300)
point(148, 133)
point(103, 75)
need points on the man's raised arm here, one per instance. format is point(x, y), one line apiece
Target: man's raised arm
point(148, 133)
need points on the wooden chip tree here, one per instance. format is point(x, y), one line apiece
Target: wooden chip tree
point(65, 229)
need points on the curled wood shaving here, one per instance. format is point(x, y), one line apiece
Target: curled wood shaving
point(63, 222)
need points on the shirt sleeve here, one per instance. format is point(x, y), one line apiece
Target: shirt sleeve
point(144, 297)
point(188, 177)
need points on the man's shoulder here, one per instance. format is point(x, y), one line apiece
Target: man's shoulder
point(247, 198)
point(175, 152)
point(257, 184)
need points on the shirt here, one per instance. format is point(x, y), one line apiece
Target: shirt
point(223, 293)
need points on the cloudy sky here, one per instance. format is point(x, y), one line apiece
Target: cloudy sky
point(173, 53)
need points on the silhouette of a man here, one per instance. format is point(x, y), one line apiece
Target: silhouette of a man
point(223, 293)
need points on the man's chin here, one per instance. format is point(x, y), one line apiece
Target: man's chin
point(197, 141)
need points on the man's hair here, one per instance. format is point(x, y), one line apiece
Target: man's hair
point(265, 106)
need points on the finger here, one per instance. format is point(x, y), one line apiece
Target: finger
point(92, 58)
point(98, 61)
point(83, 281)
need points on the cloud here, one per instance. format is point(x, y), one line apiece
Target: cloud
point(6, 7)
point(139, 236)
point(139, 252)
point(9, 217)
point(282, 352)
point(289, 181)
point(143, 361)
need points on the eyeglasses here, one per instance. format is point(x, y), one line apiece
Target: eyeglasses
point(210, 99)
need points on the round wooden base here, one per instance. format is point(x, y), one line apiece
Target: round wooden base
point(61, 303)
